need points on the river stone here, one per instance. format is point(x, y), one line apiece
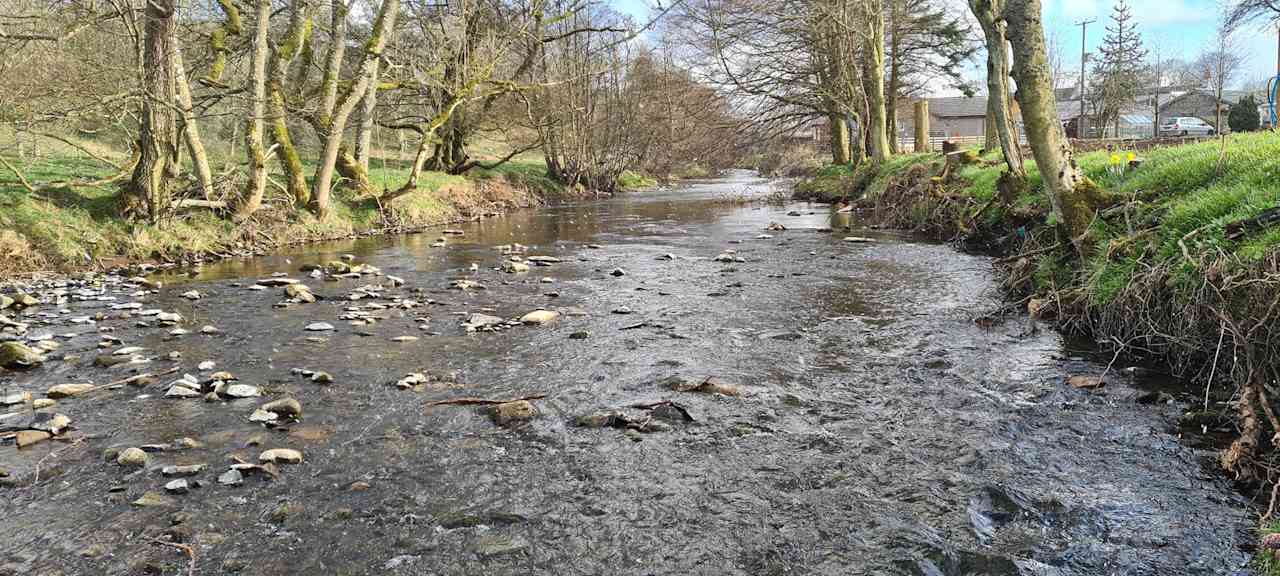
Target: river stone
point(53, 423)
point(540, 317)
point(29, 437)
point(132, 457)
point(68, 390)
point(284, 407)
point(299, 292)
point(466, 285)
point(174, 471)
point(859, 239)
point(181, 391)
point(260, 415)
point(192, 295)
point(281, 456)
point(476, 321)
point(241, 391)
point(5, 301)
point(543, 259)
point(1086, 382)
point(403, 339)
point(273, 282)
point(497, 545)
point(15, 398)
point(128, 351)
point(514, 267)
point(18, 355)
point(178, 486)
point(395, 281)
point(169, 317)
point(41, 403)
point(24, 300)
point(151, 499)
point(231, 478)
point(509, 413)
point(322, 378)
point(319, 327)
point(618, 272)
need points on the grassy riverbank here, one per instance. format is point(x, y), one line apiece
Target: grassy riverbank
point(64, 228)
point(1161, 278)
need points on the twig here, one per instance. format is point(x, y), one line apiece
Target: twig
point(1209, 383)
point(191, 553)
point(1028, 254)
point(481, 401)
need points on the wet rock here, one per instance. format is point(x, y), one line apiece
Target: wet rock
point(319, 327)
point(1155, 397)
point(709, 385)
point(322, 378)
point(17, 355)
point(206, 366)
point(395, 281)
point(111, 360)
point(667, 256)
point(15, 399)
point(358, 486)
point(50, 422)
point(182, 392)
point(262, 416)
point(1085, 382)
point(287, 408)
point(209, 329)
point(299, 293)
point(622, 310)
point(512, 267)
point(466, 285)
point(151, 500)
point(222, 375)
point(859, 239)
point(618, 272)
point(24, 300)
point(274, 282)
point(175, 471)
point(41, 403)
point(68, 390)
point(132, 457)
point(31, 437)
point(231, 477)
point(403, 339)
point(186, 443)
point(5, 301)
point(580, 335)
point(241, 391)
point(178, 486)
point(281, 456)
point(509, 413)
point(540, 317)
point(169, 317)
point(543, 260)
point(128, 351)
point(192, 295)
point(411, 380)
point(480, 321)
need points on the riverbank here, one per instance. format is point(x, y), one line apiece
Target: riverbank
point(76, 227)
point(1177, 271)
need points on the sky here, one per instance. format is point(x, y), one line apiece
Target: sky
point(1179, 28)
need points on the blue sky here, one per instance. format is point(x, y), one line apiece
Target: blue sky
point(1181, 29)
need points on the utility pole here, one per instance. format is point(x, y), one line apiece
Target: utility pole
point(1084, 58)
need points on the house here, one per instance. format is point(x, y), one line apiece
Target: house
point(958, 117)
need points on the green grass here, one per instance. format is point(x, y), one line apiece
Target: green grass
point(634, 181)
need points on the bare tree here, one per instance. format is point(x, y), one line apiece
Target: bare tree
point(1218, 66)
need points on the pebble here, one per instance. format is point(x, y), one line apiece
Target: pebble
point(281, 456)
point(231, 478)
point(319, 327)
point(132, 457)
point(178, 486)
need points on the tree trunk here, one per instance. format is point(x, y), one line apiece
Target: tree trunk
point(149, 189)
point(257, 110)
point(873, 78)
point(333, 65)
point(922, 126)
point(839, 138)
point(281, 58)
point(384, 23)
point(190, 129)
point(364, 141)
point(895, 74)
point(994, 27)
point(1071, 194)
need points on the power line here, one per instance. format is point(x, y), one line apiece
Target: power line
point(1084, 58)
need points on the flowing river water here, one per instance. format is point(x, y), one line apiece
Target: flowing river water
point(879, 429)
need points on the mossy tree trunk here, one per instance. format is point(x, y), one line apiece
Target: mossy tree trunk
point(150, 188)
point(346, 103)
point(839, 138)
point(298, 35)
point(1072, 196)
point(999, 105)
point(873, 81)
point(922, 126)
point(255, 149)
point(190, 128)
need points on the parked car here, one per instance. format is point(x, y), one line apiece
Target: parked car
point(1186, 126)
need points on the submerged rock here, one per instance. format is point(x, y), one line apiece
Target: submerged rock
point(540, 317)
point(152, 499)
point(18, 355)
point(132, 457)
point(68, 390)
point(284, 408)
point(509, 413)
point(1086, 382)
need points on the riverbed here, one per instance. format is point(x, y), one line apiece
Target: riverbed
point(775, 402)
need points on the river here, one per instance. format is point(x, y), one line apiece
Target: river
point(877, 428)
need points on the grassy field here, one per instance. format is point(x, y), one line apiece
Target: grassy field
point(70, 227)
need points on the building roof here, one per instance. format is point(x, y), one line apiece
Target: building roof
point(958, 107)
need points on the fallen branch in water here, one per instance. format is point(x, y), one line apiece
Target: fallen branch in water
point(472, 401)
point(191, 553)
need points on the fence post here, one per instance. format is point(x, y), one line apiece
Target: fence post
point(922, 126)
